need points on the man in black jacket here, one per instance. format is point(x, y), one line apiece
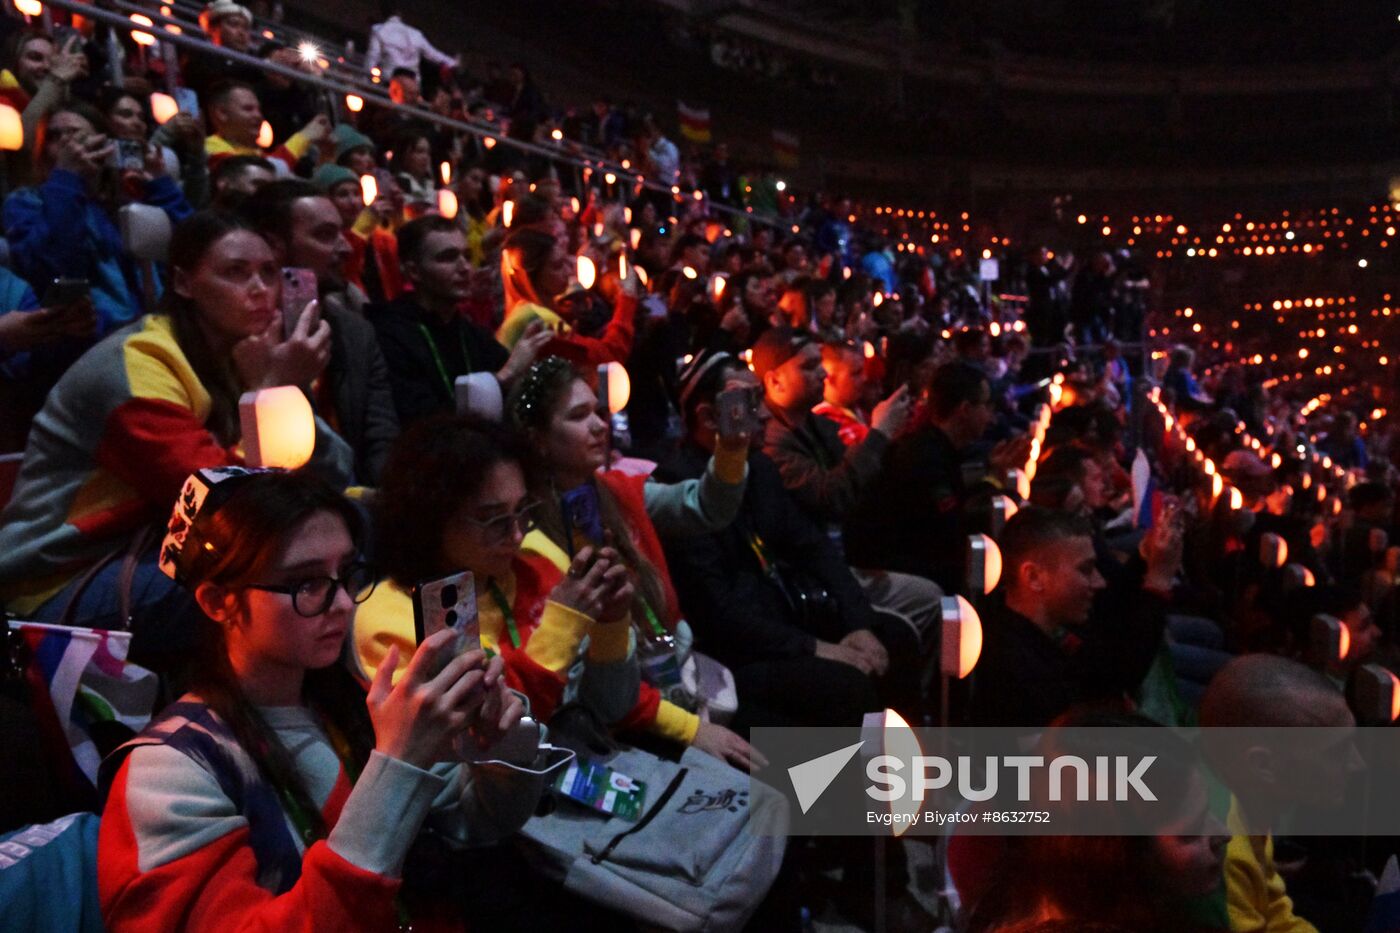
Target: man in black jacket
point(1049, 642)
point(789, 670)
point(426, 341)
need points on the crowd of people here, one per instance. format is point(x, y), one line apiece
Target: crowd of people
point(818, 420)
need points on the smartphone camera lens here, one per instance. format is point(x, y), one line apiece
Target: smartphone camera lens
point(449, 596)
point(450, 620)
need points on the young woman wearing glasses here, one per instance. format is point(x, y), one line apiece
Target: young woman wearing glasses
point(276, 794)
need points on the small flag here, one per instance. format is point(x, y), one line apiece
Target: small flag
point(695, 122)
point(785, 148)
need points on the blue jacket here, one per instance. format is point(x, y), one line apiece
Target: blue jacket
point(15, 296)
point(57, 229)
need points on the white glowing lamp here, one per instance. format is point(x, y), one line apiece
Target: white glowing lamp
point(163, 107)
point(1057, 392)
point(641, 274)
point(689, 272)
point(11, 129)
point(1019, 481)
point(614, 386)
point(507, 213)
point(1328, 639)
point(886, 733)
point(29, 7)
point(635, 237)
point(587, 273)
point(1190, 445)
point(1236, 499)
point(1217, 486)
point(142, 38)
point(1209, 467)
point(1003, 508)
point(961, 637)
point(1273, 550)
point(265, 135)
point(573, 203)
point(278, 427)
point(369, 189)
point(354, 103)
point(627, 215)
point(489, 142)
point(445, 169)
point(447, 202)
point(983, 564)
point(1376, 694)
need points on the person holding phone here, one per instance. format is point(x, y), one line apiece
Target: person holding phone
point(277, 792)
point(180, 142)
point(135, 416)
point(66, 225)
point(39, 73)
point(568, 441)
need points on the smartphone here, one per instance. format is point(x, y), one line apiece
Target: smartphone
point(129, 156)
point(582, 514)
point(62, 292)
point(298, 290)
point(447, 602)
point(737, 411)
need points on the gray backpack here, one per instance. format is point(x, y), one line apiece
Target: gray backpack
point(701, 856)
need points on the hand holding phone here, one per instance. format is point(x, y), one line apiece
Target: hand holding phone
point(447, 603)
point(583, 514)
point(736, 411)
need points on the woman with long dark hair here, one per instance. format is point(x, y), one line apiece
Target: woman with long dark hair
point(136, 415)
point(276, 794)
point(580, 504)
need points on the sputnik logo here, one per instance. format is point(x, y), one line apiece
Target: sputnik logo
point(811, 778)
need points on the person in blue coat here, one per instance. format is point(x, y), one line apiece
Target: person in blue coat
point(66, 227)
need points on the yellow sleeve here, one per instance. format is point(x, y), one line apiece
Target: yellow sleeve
point(554, 644)
point(216, 145)
point(730, 463)
point(382, 621)
point(298, 144)
point(610, 642)
point(674, 723)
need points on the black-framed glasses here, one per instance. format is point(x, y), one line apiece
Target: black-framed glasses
point(500, 528)
point(313, 596)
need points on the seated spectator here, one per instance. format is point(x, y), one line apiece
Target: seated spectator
point(65, 227)
point(236, 119)
point(427, 344)
point(135, 416)
point(229, 25)
point(373, 266)
point(289, 105)
point(236, 177)
point(473, 206)
point(1266, 693)
point(1163, 863)
point(557, 409)
point(1344, 445)
point(126, 120)
point(735, 584)
point(843, 391)
point(353, 395)
point(914, 518)
point(1044, 647)
point(276, 735)
point(454, 499)
point(414, 171)
point(37, 76)
point(536, 270)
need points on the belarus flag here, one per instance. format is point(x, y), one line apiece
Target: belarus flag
point(695, 122)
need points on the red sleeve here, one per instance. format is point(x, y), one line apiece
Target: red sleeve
point(615, 344)
point(152, 445)
point(215, 886)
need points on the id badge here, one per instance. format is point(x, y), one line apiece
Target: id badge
point(601, 788)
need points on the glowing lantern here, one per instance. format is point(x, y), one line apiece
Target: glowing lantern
point(614, 386)
point(29, 7)
point(489, 142)
point(1328, 639)
point(587, 273)
point(689, 272)
point(369, 189)
point(1377, 694)
point(1217, 486)
point(445, 169)
point(1273, 550)
point(635, 237)
point(610, 178)
point(717, 285)
point(142, 38)
point(869, 350)
point(1020, 482)
point(983, 564)
point(507, 213)
point(627, 215)
point(881, 733)
point(1003, 508)
point(11, 129)
point(447, 203)
point(265, 135)
point(354, 103)
point(641, 274)
point(279, 429)
point(1236, 499)
point(1209, 467)
point(961, 637)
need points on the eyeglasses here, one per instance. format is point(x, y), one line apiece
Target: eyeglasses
point(314, 595)
point(499, 529)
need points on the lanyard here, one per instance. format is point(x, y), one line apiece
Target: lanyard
point(504, 605)
point(652, 620)
point(300, 819)
point(437, 357)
